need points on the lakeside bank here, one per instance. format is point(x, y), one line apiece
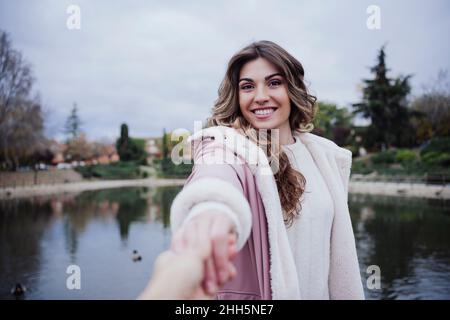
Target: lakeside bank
point(400, 189)
point(416, 190)
point(76, 187)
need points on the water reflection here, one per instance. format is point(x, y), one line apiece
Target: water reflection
point(22, 226)
point(409, 240)
point(40, 237)
point(98, 230)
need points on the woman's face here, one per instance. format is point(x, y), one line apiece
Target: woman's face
point(263, 96)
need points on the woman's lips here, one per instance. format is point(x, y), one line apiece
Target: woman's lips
point(263, 113)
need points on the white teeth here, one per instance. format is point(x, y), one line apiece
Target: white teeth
point(263, 111)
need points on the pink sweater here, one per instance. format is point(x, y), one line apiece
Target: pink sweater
point(243, 188)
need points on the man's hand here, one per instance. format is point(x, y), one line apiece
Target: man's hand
point(180, 275)
point(217, 229)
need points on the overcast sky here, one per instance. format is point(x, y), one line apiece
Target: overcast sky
point(156, 64)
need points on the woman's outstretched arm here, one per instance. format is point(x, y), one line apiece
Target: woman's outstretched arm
point(212, 203)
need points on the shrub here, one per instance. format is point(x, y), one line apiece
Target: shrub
point(170, 170)
point(436, 158)
point(117, 170)
point(361, 167)
point(406, 157)
point(384, 157)
point(440, 145)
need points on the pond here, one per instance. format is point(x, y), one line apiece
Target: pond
point(409, 240)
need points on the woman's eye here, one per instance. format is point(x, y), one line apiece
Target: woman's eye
point(275, 83)
point(246, 87)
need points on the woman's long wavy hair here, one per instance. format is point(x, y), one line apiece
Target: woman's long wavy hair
point(226, 112)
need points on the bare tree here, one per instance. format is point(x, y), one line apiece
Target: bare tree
point(433, 108)
point(21, 121)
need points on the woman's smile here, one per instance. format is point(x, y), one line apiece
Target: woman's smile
point(264, 113)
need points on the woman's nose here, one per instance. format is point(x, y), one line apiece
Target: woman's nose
point(261, 96)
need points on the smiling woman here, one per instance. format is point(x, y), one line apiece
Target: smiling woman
point(264, 100)
point(293, 228)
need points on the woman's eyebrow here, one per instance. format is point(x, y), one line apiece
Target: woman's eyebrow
point(266, 78)
point(272, 75)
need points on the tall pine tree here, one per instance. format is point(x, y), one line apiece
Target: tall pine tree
point(165, 146)
point(124, 145)
point(128, 148)
point(384, 103)
point(72, 127)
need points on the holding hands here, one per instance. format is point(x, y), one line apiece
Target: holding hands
point(199, 261)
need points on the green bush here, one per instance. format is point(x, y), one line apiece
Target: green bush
point(141, 155)
point(116, 170)
point(361, 167)
point(436, 158)
point(437, 152)
point(167, 169)
point(384, 157)
point(405, 157)
point(439, 145)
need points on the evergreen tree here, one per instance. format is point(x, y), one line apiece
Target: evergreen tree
point(165, 147)
point(73, 124)
point(128, 148)
point(123, 144)
point(384, 103)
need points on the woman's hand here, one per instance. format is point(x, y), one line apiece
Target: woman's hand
point(216, 229)
point(180, 275)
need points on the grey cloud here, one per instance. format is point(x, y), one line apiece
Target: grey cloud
point(159, 64)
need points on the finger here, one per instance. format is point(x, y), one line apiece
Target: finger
point(190, 236)
point(203, 244)
point(204, 237)
point(232, 252)
point(205, 223)
point(219, 235)
point(232, 249)
point(210, 281)
point(197, 238)
point(232, 238)
point(232, 270)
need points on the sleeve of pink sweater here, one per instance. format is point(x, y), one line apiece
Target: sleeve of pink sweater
point(213, 187)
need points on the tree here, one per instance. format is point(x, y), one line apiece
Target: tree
point(165, 146)
point(332, 122)
point(79, 149)
point(21, 119)
point(122, 144)
point(432, 109)
point(385, 104)
point(130, 149)
point(103, 148)
point(72, 127)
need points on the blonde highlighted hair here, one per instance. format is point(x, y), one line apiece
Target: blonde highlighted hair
point(226, 112)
